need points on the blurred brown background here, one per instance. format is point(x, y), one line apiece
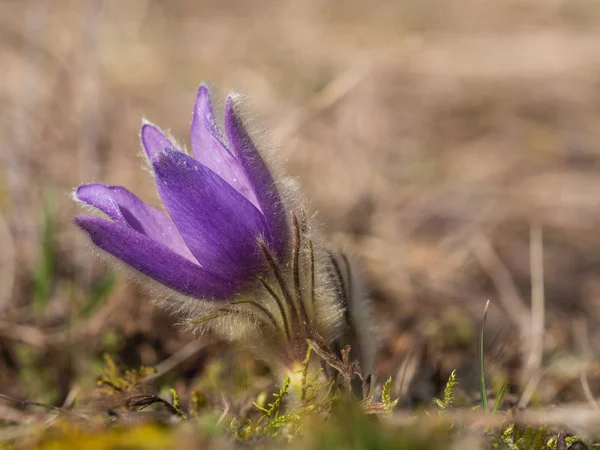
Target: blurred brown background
point(452, 147)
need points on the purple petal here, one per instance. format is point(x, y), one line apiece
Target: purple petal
point(262, 182)
point(155, 260)
point(209, 149)
point(154, 140)
point(219, 225)
point(124, 207)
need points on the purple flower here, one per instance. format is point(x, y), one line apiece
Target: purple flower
point(255, 268)
point(221, 203)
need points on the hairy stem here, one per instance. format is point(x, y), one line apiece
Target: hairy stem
point(296, 271)
point(341, 287)
point(274, 296)
point(279, 277)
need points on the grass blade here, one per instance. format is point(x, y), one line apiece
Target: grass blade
point(484, 399)
point(500, 397)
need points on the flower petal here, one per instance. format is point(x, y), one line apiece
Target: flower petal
point(124, 207)
point(262, 182)
point(155, 260)
point(219, 225)
point(154, 141)
point(209, 149)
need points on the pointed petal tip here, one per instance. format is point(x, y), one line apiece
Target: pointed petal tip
point(82, 193)
point(75, 193)
point(232, 103)
point(203, 90)
point(98, 196)
point(82, 222)
point(203, 118)
point(246, 152)
point(235, 114)
point(149, 130)
point(154, 140)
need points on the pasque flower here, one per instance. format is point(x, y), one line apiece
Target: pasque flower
point(235, 248)
point(220, 203)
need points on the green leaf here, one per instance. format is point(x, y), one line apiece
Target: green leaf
point(386, 397)
point(272, 411)
point(498, 401)
point(448, 399)
point(176, 405)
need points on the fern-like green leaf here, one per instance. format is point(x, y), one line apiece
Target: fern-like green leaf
point(386, 397)
point(272, 411)
point(176, 405)
point(448, 399)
